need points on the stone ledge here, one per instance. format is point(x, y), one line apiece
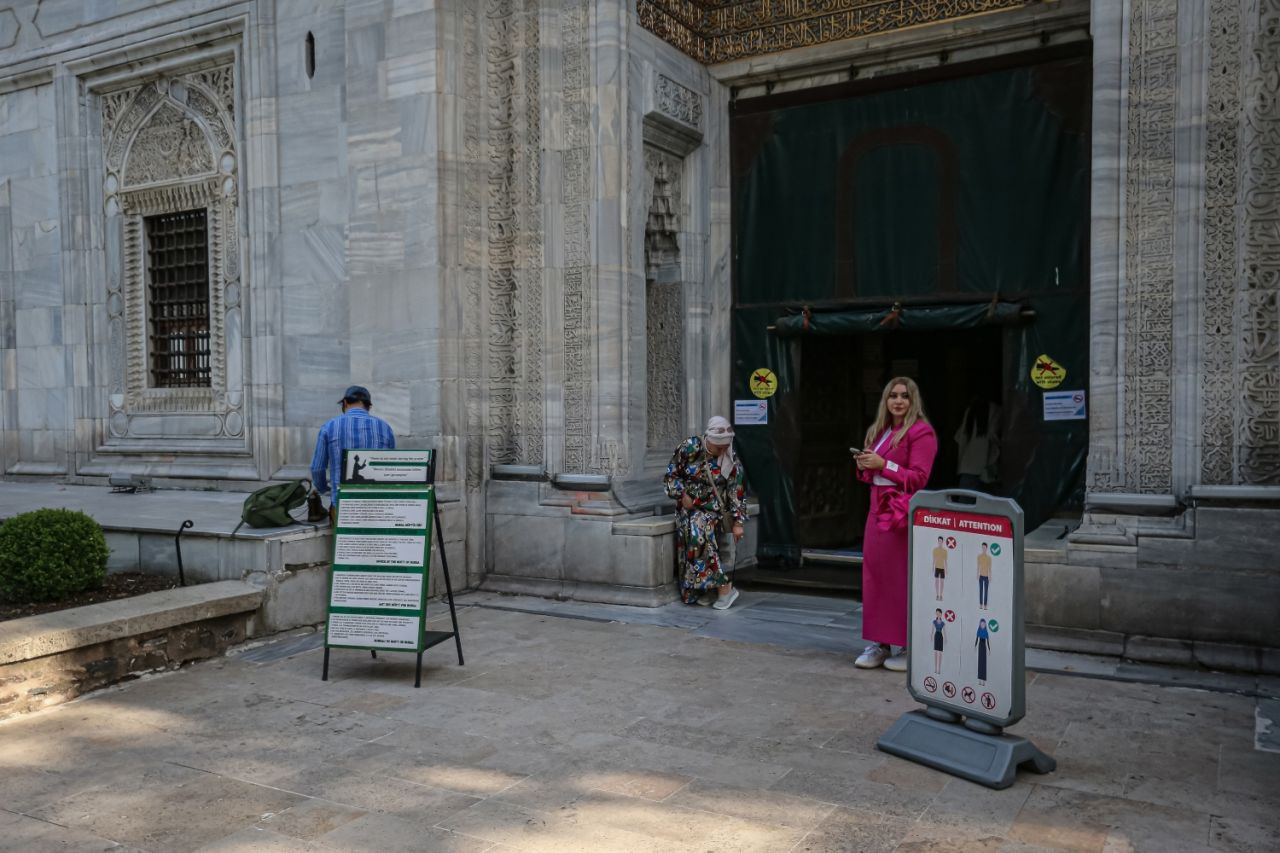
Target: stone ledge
point(1230, 657)
point(602, 593)
point(654, 525)
point(64, 630)
point(1079, 640)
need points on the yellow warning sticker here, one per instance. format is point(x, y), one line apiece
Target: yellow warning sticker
point(763, 383)
point(1047, 373)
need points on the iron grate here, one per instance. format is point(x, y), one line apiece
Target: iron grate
point(178, 298)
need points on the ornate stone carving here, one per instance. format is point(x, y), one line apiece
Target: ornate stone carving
point(168, 146)
point(514, 293)
point(1257, 427)
point(473, 241)
point(1217, 331)
point(575, 195)
point(504, 321)
point(1147, 370)
point(530, 245)
point(501, 236)
point(720, 30)
point(677, 102)
point(664, 302)
point(663, 174)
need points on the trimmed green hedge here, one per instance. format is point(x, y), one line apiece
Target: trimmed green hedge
point(49, 554)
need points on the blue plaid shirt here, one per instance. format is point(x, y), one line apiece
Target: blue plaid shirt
point(354, 429)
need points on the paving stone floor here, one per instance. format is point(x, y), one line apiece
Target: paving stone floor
point(575, 734)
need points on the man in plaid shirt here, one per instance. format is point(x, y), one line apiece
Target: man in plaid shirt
point(354, 429)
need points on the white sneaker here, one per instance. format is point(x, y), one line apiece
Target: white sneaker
point(724, 602)
point(872, 656)
point(898, 662)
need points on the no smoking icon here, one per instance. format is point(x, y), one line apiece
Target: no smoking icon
point(951, 542)
point(931, 684)
point(988, 701)
point(968, 695)
point(948, 689)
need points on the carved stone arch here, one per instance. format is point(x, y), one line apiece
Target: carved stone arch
point(171, 144)
point(169, 149)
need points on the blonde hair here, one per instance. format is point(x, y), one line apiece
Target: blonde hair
point(915, 412)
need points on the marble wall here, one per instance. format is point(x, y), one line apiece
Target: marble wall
point(511, 220)
point(1185, 378)
point(359, 248)
point(39, 336)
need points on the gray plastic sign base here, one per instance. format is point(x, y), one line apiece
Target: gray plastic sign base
point(988, 759)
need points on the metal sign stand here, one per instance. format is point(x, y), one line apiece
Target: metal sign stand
point(396, 474)
point(966, 635)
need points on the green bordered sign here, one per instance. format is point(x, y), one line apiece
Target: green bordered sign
point(378, 587)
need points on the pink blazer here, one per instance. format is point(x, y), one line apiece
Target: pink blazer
point(907, 466)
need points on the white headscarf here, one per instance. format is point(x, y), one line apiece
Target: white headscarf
point(720, 432)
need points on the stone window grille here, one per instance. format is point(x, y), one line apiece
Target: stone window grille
point(178, 299)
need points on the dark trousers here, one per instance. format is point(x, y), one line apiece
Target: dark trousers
point(983, 583)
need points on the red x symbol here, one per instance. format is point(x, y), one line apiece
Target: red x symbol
point(1046, 367)
point(950, 615)
point(951, 542)
point(762, 379)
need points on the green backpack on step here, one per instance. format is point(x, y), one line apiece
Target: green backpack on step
point(270, 505)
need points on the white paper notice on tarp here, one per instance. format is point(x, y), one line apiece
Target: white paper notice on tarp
point(1064, 406)
point(381, 590)
point(382, 513)
point(750, 412)
point(359, 550)
point(962, 597)
point(366, 629)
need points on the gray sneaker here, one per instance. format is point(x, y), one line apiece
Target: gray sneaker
point(724, 602)
point(897, 662)
point(872, 657)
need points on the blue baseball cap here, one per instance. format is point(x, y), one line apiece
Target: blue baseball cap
point(357, 394)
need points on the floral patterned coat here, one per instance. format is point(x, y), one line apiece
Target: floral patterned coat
point(686, 475)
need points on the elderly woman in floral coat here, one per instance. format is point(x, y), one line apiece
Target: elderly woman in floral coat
point(706, 481)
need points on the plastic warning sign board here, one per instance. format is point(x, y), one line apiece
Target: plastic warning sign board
point(965, 628)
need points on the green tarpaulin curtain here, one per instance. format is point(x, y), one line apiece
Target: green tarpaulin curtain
point(950, 193)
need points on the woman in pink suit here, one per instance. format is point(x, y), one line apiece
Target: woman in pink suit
point(896, 460)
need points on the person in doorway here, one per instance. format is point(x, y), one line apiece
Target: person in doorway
point(939, 640)
point(984, 645)
point(939, 568)
point(354, 429)
point(898, 455)
point(978, 445)
point(705, 479)
point(984, 577)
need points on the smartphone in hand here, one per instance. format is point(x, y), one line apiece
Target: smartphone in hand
point(856, 450)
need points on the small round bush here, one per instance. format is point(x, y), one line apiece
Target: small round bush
point(49, 554)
